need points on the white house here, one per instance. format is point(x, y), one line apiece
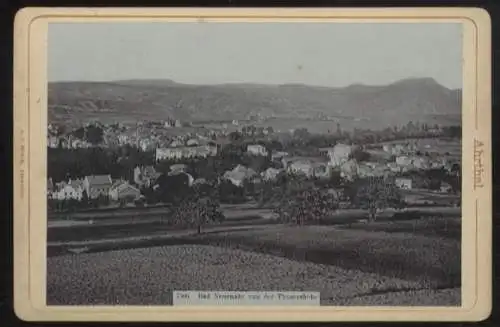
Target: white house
point(279, 155)
point(52, 141)
point(257, 150)
point(420, 163)
point(339, 154)
point(239, 174)
point(270, 174)
point(445, 188)
point(97, 185)
point(50, 185)
point(403, 161)
point(123, 191)
point(73, 190)
point(403, 183)
point(349, 170)
point(185, 152)
point(393, 167)
point(192, 142)
point(301, 167)
point(178, 168)
point(387, 148)
point(397, 149)
point(200, 181)
point(146, 144)
point(176, 143)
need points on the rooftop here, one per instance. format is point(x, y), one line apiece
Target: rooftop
point(99, 179)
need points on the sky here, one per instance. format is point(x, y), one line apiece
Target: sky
point(328, 54)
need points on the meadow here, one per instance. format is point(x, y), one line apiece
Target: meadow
point(379, 263)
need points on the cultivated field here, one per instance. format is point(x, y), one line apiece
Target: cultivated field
point(359, 264)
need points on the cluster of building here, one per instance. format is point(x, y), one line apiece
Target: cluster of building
point(148, 136)
point(336, 159)
point(93, 187)
point(386, 160)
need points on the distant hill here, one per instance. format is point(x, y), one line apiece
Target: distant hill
point(418, 99)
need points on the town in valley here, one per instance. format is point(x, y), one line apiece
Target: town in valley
point(114, 165)
point(327, 169)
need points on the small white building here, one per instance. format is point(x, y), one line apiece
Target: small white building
point(201, 151)
point(393, 167)
point(403, 183)
point(123, 191)
point(239, 175)
point(52, 141)
point(73, 190)
point(257, 150)
point(349, 170)
point(339, 154)
point(178, 168)
point(445, 188)
point(301, 167)
point(192, 142)
point(97, 185)
point(146, 144)
point(270, 174)
point(403, 161)
point(420, 163)
point(279, 155)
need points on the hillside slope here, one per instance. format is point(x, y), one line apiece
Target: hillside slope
point(410, 99)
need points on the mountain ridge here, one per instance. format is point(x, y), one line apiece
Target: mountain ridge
point(407, 99)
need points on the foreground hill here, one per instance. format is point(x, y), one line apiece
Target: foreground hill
point(410, 99)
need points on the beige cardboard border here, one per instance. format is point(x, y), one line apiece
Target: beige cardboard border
point(30, 121)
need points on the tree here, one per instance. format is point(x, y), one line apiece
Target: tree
point(235, 136)
point(79, 133)
point(174, 188)
point(454, 178)
point(376, 193)
point(306, 206)
point(301, 134)
point(198, 212)
point(230, 193)
point(359, 155)
point(257, 163)
point(94, 134)
point(60, 130)
point(339, 130)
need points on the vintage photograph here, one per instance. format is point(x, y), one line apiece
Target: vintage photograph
point(263, 157)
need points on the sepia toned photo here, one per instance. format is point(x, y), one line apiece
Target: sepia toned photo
point(244, 164)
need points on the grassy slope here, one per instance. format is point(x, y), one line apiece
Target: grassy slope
point(431, 260)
